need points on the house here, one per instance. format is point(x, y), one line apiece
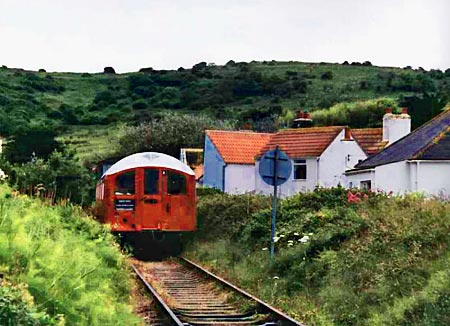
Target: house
point(193, 157)
point(319, 155)
point(419, 161)
point(229, 159)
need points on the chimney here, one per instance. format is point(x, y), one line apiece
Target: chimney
point(303, 120)
point(396, 126)
point(347, 134)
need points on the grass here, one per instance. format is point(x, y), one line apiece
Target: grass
point(68, 263)
point(91, 143)
point(383, 261)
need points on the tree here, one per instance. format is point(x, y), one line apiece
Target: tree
point(168, 134)
point(33, 141)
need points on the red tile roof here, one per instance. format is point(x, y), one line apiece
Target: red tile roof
point(238, 147)
point(370, 139)
point(198, 172)
point(303, 142)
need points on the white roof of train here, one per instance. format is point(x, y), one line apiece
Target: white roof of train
point(148, 159)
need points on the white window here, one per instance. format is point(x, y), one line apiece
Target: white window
point(366, 185)
point(299, 169)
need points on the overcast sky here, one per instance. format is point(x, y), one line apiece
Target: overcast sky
point(87, 35)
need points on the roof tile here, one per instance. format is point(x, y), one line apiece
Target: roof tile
point(370, 139)
point(303, 142)
point(238, 147)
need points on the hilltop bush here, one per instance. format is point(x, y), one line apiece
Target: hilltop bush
point(354, 114)
point(69, 264)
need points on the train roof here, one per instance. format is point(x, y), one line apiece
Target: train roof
point(148, 159)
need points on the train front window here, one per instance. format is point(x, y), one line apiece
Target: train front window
point(176, 183)
point(151, 178)
point(125, 184)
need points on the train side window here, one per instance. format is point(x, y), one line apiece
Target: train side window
point(176, 183)
point(125, 184)
point(151, 178)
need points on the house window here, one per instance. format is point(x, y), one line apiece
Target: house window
point(299, 169)
point(125, 184)
point(350, 184)
point(366, 185)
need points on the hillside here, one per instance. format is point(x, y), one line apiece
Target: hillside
point(75, 104)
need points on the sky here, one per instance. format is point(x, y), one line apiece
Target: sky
point(87, 35)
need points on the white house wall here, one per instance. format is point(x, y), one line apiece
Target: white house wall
point(239, 178)
point(340, 155)
point(392, 177)
point(432, 177)
point(291, 186)
point(354, 180)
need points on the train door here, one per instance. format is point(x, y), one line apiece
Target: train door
point(175, 200)
point(149, 208)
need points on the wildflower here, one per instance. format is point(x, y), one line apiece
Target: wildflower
point(310, 233)
point(264, 249)
point(282, 235)
point(275, 277)
point(275, 239)
point(304, 239)
point(295, 233)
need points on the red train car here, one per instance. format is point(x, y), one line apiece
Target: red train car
point(148, 196)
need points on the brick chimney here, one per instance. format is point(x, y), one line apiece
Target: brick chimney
point(303, 120)
point(395, 126)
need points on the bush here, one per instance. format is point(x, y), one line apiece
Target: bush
point(357, 114)
point(70, 263)
point(380, 260)
point(167, 134)
point(17, 308)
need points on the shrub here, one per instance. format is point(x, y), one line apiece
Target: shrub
point(328, 75)
point(70, 263)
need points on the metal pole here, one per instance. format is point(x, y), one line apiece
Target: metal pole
point(274, 202)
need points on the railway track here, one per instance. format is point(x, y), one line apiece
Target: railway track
point(187, 294)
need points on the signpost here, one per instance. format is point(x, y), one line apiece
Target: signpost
point(274, 168)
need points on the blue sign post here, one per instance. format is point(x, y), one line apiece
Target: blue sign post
point(274, 168)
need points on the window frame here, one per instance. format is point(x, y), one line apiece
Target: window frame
point(116, 188)
point(158, 178)
point(184, 189)
point(365, 185)
point(296, 163)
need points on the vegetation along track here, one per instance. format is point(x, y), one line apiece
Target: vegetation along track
point(187, 294)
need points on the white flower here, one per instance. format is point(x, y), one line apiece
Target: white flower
point(310, 233)
point(275, 239)
point(304, 239)
point(295, 233)
point(282, 235)
point(264, 248)
point(275, 277)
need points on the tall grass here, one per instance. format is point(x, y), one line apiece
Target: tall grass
point(68, 262)
point(383, 261)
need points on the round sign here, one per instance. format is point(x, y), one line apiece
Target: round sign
point(270, 160)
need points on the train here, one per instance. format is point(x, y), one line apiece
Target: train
point(149, 200)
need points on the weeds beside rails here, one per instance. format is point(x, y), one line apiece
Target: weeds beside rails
point(67, 266)
point(343, 258)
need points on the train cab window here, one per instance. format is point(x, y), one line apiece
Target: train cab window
point(176, 183)
point(125, 184)
point(151, 178)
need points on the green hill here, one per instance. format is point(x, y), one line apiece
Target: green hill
point(253, 92)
